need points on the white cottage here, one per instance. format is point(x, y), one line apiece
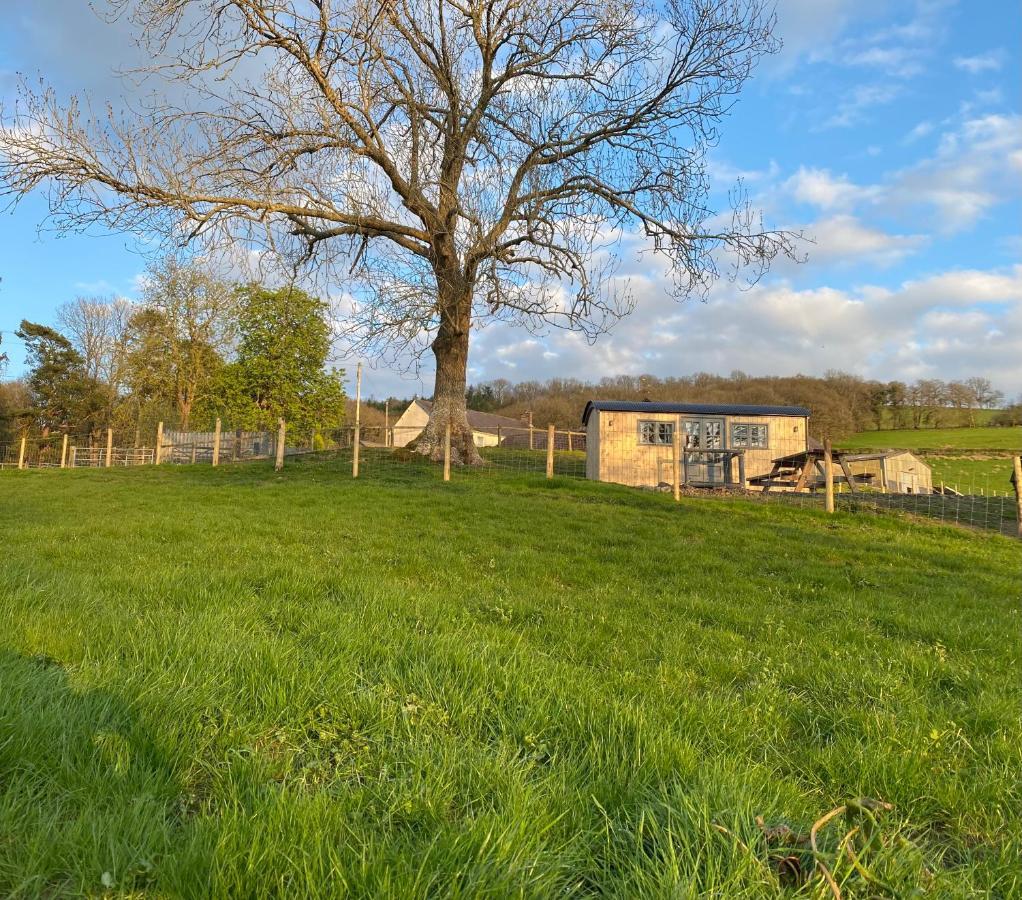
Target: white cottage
point(488, 430)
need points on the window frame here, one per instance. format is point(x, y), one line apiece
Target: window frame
point(749, 443)
point(658, 425)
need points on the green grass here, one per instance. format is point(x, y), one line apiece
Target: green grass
point(232, 683)
point(979, 438)
point(972, 475)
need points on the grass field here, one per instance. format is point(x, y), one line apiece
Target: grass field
point(991, 474)
point(980, 438)
point(233, 683)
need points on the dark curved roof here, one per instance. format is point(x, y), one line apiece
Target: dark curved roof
point(695, 409)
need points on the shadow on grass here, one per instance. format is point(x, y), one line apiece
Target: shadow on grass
point(89, 803)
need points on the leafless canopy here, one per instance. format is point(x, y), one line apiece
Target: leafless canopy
point(456, 159)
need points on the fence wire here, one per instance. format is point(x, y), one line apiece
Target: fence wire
point(642, 455)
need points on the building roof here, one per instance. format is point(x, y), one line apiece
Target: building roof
point(697, 409)
point(480, 421)
point(816, 450)
point(880, 454)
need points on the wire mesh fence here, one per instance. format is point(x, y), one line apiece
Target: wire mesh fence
point(993, 513)
point(689, 457)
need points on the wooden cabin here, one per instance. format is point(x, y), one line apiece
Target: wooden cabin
point(723, 444)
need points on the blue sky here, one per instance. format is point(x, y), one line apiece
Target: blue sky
point(889, 131)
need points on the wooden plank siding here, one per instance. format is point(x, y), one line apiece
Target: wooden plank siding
point(615, 454)
point(905, 473)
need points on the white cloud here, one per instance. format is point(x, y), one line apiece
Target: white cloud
point(983, 62)
point(902, 62)
point(727, 174)
point(855, 106)
point(820, 188)
point(844, 240)
point(949, 325)
point(976, 167)
point(921, 130)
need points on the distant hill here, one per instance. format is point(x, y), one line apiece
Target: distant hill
point(930, 439)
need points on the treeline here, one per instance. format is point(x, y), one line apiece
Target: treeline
point(841, 404)
point(195, 348)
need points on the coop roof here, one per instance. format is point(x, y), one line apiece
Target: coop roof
point(695, 409)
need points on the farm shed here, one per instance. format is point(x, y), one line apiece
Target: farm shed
point(632, 442)
point(893, 471)
point(485, 426)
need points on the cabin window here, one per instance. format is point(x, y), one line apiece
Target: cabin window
point(750, 436)
point(655, 434)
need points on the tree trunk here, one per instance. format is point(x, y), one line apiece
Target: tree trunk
point(450, 348)
point(184, 408)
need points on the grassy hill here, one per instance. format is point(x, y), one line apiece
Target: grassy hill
point(979, 438)
point(974, 475)
point(230, 683)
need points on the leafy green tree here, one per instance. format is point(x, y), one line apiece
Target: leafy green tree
point(280, 367)
point(62, 394)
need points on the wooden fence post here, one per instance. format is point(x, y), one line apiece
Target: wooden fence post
point(109, 447)
point(74, 456)
point(216, 444)
point(531, 438)
point(676, 460)
point(828, 474)
point(358, 420)
point(281, 436)
point(447, 452)
point(158, 452)
point(21, 452)
point(551, 436)
point(1017, 465)
point(63, 452)
point(569, 440)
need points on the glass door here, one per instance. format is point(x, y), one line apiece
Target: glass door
point(702, 435)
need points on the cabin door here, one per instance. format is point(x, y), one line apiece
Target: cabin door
point(700, 435)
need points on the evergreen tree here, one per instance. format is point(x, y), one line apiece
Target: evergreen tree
point(62, 395)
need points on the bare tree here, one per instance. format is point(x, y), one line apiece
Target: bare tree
point(458, 160)
point(97, 327)
point(983, 395)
